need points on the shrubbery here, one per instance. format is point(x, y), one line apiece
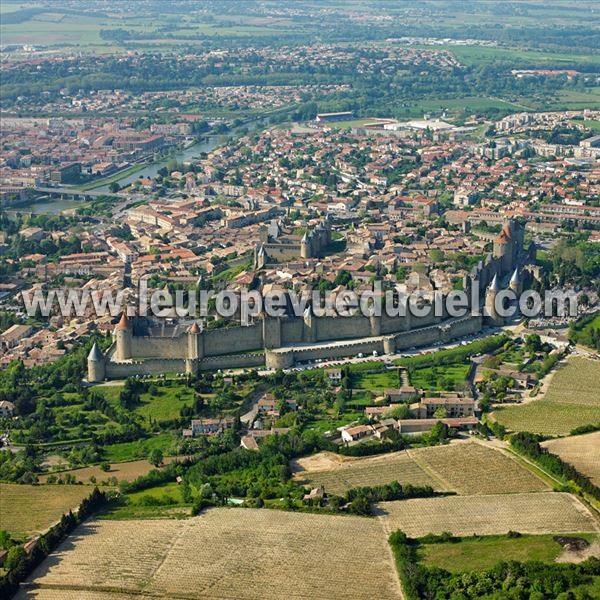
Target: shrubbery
point(507, 580)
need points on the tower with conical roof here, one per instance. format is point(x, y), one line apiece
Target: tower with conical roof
point(491, 312)
point(260, 258)
point(306, 246)
point(309, 333)
point(123, 336)
point(195, 349)
point(195, 342)
point(96, 365)
point(516, 284)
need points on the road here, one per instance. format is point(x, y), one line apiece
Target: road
point(253, 399)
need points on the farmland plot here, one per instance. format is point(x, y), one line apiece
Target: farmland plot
point(338, 476)
point(471, 468)
point(118, 554)
point(572, 400)
point(29, 509)
point(544, 512)
point(463, 467)
point(125, 471)
point(225, 553)
point(581, 451)
point(576, 383)
point(76, 594)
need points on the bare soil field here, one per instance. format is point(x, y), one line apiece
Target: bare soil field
point(471, 468)
point(222, 554)
point(338, 474)
point(29, 509)
point(581, 451)
point(543, 512)
point(126, 471)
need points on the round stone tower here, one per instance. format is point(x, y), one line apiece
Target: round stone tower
point(305, 247)
point(123, 338)
point(195, 343)
point(96, 365)
point(492, 314)
point(515, 283)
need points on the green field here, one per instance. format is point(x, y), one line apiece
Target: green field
point(589, 124)
point(377, 382)
point(169, 490)
point(164, 405)
point(572, 400)
point(446, 377)
point(69, 26)
point(547, 418)
point(442, 377)
point(576, 100)
point(582, 331)
point(54, 28)
point(126, 512)
point(325, 424)
point(410, 110)
point(478, 553)
point(478, 55)
point(126, 451)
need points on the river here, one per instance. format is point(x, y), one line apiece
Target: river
point(208, 144)
point(47, 206)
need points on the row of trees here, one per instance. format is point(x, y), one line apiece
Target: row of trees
point(528, 444)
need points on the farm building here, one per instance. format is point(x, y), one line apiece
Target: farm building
point(352, 434)
point(414, 426)
point(402, 394)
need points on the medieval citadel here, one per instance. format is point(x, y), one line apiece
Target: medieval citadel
point(276, 246)
point(141, 347)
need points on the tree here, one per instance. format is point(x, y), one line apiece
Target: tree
point(5, 539)
point(400, 411)
point(14, 557)
point(439, 432)
point(360, 506)
point(114, 187)
point(342, 278)
point(533, 343)
point(156, 457)
point(440, 413)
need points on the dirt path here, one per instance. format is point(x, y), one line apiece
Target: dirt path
point(386, 534)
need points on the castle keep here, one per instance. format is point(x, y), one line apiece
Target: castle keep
point(140, 347)
point(277, 247)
